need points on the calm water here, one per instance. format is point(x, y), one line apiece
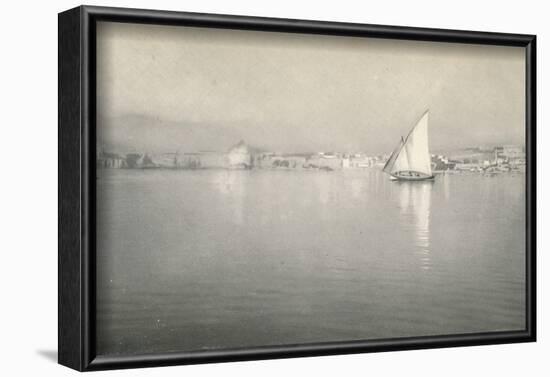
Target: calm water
point(211, 259)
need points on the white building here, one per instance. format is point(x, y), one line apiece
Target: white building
point(239, 156)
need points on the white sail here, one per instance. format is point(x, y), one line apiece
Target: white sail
point(401, 161)
point(391, 161)
point(417, 149)
point(414, 154)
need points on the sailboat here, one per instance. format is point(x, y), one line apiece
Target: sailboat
point(411, 160)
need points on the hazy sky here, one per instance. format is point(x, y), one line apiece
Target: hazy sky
point(164, 88)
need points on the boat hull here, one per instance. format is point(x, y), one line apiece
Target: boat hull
point(411, 175)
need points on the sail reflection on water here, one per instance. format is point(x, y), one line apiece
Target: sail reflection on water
point(231, 184)
point(414, 202)
point(446, 180)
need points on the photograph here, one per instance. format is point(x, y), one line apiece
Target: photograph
point(274, 189)
point(269, 189)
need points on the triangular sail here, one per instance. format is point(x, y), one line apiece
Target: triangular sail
point(391, 161)
point(401, 161)
point(413, 153)
point(416, 146)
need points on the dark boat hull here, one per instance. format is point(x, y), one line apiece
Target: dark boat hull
point(410, 175)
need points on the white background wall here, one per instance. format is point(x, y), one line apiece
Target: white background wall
point(28, 185)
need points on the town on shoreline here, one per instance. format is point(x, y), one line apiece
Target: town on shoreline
point(488, 160)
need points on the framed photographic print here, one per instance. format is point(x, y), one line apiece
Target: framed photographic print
point(238, 188)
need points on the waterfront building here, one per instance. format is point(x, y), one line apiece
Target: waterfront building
point(239, 156)
point(213, 160)
point(441, 163)
point(290, 161)
point(188, 161)
point(108, 160)
point(360, 161)
point(513, 154)
point(145, 161)
point(346, 162)
point(263, 160)
point(165, 160)
point(324, 161)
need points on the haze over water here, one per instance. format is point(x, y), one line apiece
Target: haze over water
point(217, 259)
point(170, 88)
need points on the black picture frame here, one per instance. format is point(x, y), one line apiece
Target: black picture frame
point(77, 196)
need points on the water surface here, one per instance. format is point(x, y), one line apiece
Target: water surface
point(216, 259)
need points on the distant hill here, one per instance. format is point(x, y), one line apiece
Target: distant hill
point(140, 133)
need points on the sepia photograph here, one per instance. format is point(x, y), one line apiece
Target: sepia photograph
point(274, 189)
